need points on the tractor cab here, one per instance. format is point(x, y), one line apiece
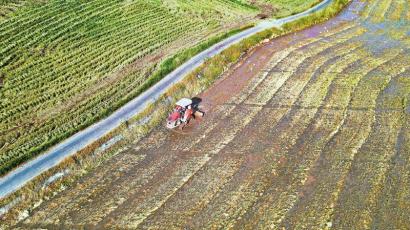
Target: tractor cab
point(183, 103)
point(183, 112)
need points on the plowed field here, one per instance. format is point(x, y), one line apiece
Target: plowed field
point(311, 130)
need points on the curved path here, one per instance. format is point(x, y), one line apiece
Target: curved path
point(17, 178)
point(310, 131)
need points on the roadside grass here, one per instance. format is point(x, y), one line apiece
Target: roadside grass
point(323, 15)
point(170, 64)
point(86, 159)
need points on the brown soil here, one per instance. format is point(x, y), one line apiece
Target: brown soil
point(308, 131)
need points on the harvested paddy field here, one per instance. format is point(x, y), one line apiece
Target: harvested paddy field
point(310, 130)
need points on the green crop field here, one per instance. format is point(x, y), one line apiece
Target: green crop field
point(66, 64)
point(310, 130)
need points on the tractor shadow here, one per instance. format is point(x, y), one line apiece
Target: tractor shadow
point(196, 104)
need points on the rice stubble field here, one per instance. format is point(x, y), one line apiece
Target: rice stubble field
point(315, 135)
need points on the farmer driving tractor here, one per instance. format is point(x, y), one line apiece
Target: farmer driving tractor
point(184, 110)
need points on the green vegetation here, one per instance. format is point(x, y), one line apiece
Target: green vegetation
point(8, 7)
point(61, 75)
point(202, 77)
point(66, 65)
point(330, 151)
point(173, 62)
point(318, 17)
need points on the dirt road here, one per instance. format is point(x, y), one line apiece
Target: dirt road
point(311, 130)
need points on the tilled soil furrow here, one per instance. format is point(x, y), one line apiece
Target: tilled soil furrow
point(250, 145)
point(288, 56)
point(312, 209)
point(216, 168)
point(84, 188)
point(140, 207)
point(196, 193)
point(396, 10)
point(394, 202)
point(368, 11)
point(225, 206)
point(290, 75)
point(112, 194)
point(367, 171)
point(310, 141)
point(374, 7)
point(122, 193)
point(396, 95)
point(407, 11)
point(91, 194)
point(270, 89)
point(209, 145)
point(123, 197)
point(232, 125)
point(380, 11)
point(308, 131)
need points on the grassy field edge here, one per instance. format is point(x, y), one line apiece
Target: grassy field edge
point(318, 17)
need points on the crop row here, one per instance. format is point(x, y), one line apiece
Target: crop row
point(72, 54)
point(386, 10)
point(317, 140)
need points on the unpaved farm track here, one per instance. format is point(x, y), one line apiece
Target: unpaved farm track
point(311, 130)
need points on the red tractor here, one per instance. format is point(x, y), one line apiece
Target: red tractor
point(185, 109)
